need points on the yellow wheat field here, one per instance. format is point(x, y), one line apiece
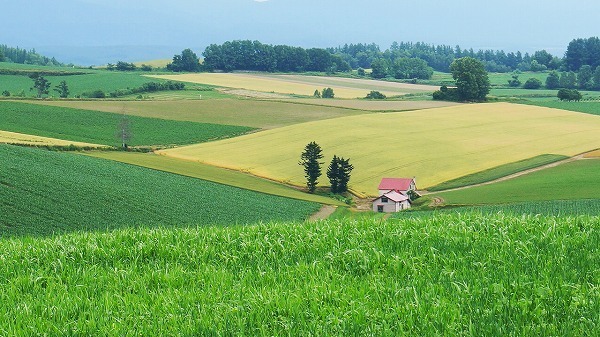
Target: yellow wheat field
point(20, 138)
point(298, 85)
point(432, 145)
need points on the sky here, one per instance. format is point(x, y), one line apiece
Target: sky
point(100, 31)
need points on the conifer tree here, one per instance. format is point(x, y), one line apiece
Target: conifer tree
point(312, 167)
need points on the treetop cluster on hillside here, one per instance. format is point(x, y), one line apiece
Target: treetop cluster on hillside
point(23, 56)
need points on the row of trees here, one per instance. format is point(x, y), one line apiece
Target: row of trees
point(439, 57)
point(401, 68)
point(253, 55)
point(338, 171)
point(42, 87)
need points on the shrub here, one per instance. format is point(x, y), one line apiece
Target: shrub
point(95, 94)
point(375, 95)
point(6, 93)
point(446, 94)
point(532, 83)
point(569, 95)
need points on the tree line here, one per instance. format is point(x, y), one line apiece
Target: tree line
point(23, 56)
point(404, 60)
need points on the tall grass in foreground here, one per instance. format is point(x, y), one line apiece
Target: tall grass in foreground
point(448, 275)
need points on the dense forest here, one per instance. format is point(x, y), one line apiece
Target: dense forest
point(23, 56)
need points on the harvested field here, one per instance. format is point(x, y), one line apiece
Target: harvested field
point(299, 85)
point(241, 112)
point(20, 138)
point(435, 145)
point(373, 105)
point(593, 154)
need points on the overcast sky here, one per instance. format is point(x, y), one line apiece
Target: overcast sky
point(158, 28)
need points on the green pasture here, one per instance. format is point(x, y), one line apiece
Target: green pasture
point(573, 180)
point(101, 127)
point(45, 193)
point(211, 173)
point(449, 275)
point(498, 172)
point(242, 112)
point(581, 106)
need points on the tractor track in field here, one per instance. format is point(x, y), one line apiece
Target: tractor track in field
point(323, 213)
point(508, 177)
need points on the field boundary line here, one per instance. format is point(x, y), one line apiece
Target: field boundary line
point(580, 156)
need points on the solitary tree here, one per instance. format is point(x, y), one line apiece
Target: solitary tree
point(62, 89)
point(40, 84)
point(338, 173)
point(472, 82)
point(312, 167)
point(124, 131)
point(327, 93)
point(317, 93)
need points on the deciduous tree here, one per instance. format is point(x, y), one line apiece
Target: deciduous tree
point(40, 84)
point(472, 80)
point(187, 61)
point(62, 89)
point(124, 133)
point(553, 80)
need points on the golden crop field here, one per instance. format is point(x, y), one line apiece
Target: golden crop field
point(593, 154)
point(434, 145)
point(298, 85)
point(20, 138)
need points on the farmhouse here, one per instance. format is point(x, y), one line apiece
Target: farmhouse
point(394, 194)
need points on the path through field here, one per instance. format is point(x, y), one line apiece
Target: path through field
point(323, 213)
point(508, 177)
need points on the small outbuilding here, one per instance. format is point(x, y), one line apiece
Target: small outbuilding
point(394, 195)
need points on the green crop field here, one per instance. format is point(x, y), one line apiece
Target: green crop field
point(211, 173)
point(100, 127)
point(574, 180)
point(433, 145)
point(106, 81)
point(498, 172)
point(549, 207)
point(243, 112)
point(585, 107)
point(45, 193)
point(449, 275)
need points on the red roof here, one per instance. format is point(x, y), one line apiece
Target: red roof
point(395, 184)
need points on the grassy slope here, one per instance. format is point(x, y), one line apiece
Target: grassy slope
point(45, 192)
point(212, 173)
point(498, 172)
point(575, 180)
point(435, 145)
point(99, 127)
point(447, 275)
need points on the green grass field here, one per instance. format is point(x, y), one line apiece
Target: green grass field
point(433, 145)
point(211, 173)
point(45, 193)
point(585, 107)
point(498, 172)
point(574, 180)
point(101, 128)
point(449, 275)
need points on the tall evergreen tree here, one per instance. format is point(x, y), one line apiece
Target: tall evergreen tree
point(312, 167)
point(62, 89)
point(338, 173)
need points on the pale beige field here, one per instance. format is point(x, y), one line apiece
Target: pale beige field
point(20, 138)
point(373, 105)
point(298, 85)
point(434, 145)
